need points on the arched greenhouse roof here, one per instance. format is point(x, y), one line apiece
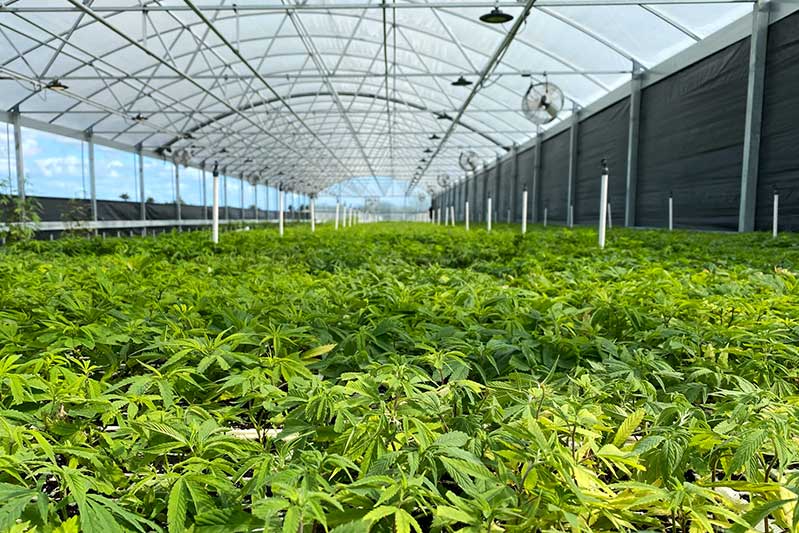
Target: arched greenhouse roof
point(312, 93)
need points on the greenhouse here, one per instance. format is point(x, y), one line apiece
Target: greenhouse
point(447, 266)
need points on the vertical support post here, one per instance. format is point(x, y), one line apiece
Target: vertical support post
point(446, 208)
point(215, 206)
point(603, 205)
point(280, 200)
point(488, 214)
point(610, 218)
point(241, 197)
point(524, 211)
point(255, 202)
point(754, 116)
point(497, 188)
point(573, 136)
point(312, 207)
point(671, 212)
point(204, 192)
point(224, 186)
point(775, 216)
point(633, 136)
point(536, 185)
point(466, 213)
point(338, 208)
point(20, 158)
point(92, 174)
point(142, 199)
point(452, 215)
point(546, 212)
point(177, 194)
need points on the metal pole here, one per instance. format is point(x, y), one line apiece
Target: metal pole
point(92, 175)
point(536, 185)
point(754, 116)
point(338, 207)
point(671, 212)
point(514, 186)
point(177, 193)
point(241, 197)
point(488, 214)
point(446, 210)
point(524, 211)
point(466, 212)
point(255, 203)
point(775, 216)
point(610, 218)
point(280, 201)
point(452, 215)
point(603, 204)
point(312, 206)
point(631, 190)
point(573, 132)
point(142, 200)
point(224, 185)
point(20, 160)
point(546, 212)
point(215, 207)
point(205, 194)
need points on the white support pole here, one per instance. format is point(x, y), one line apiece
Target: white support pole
point(255, 203)
point(215, 207)
point(352, 216)
point(92, 175)
point(671, 213)
point(438, 216)
point(610, 218)
point(452, 216)
point(466, 212)
point(20, 159)
point(312, 206)
point(205, 195)
point(338, 208)
point(489, 212)
point(546, 213)
point(241, 197)
point(280, 202)
point(524, 211)
point(603, 205)
point(446, 216)
point(177, 193)
point(142, 201)
point(775, 217)
point(571, 215)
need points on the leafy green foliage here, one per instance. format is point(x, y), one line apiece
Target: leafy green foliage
point(398, 379)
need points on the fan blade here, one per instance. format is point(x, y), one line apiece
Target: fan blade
point(551, 111)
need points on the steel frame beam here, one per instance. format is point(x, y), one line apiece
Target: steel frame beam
point(754, 116)
point(633, 141)
point(573, 148)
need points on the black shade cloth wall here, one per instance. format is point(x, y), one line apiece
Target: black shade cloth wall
point(602, 136)
point(779, 155)
point(526, 162)
point(691, 143)
point(555, 177)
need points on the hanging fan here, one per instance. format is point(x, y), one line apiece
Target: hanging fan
point(542, 103)
point(468, 161)
point(443, 180)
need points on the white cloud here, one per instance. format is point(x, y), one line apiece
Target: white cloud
point(59, 166)
point(115, 163)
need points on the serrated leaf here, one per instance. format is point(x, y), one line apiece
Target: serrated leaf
point(628, 427)
point(177, 507)
point(747, 452)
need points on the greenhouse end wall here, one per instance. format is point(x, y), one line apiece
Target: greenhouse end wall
point(691, 142)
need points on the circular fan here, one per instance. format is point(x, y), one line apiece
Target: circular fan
point(443, 180)
point(468, 161)
point(543, 102)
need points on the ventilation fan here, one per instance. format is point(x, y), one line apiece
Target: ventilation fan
point(443, 180)
point(468, 161)
point(543, 102)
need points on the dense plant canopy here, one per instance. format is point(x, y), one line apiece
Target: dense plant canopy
point(399, 378)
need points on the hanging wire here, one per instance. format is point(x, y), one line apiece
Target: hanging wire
point(144, 36)
point(238, 27)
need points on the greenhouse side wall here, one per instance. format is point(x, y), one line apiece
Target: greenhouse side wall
point(602, 136)
point(554, 178)
point(779, 157)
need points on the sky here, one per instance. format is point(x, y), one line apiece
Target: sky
point(57, 166)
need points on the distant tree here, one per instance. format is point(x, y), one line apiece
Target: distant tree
point(124, 196)
point(150, 200)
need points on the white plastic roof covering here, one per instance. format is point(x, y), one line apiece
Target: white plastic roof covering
point(344, 88)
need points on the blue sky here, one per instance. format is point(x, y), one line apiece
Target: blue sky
point(57, 166)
